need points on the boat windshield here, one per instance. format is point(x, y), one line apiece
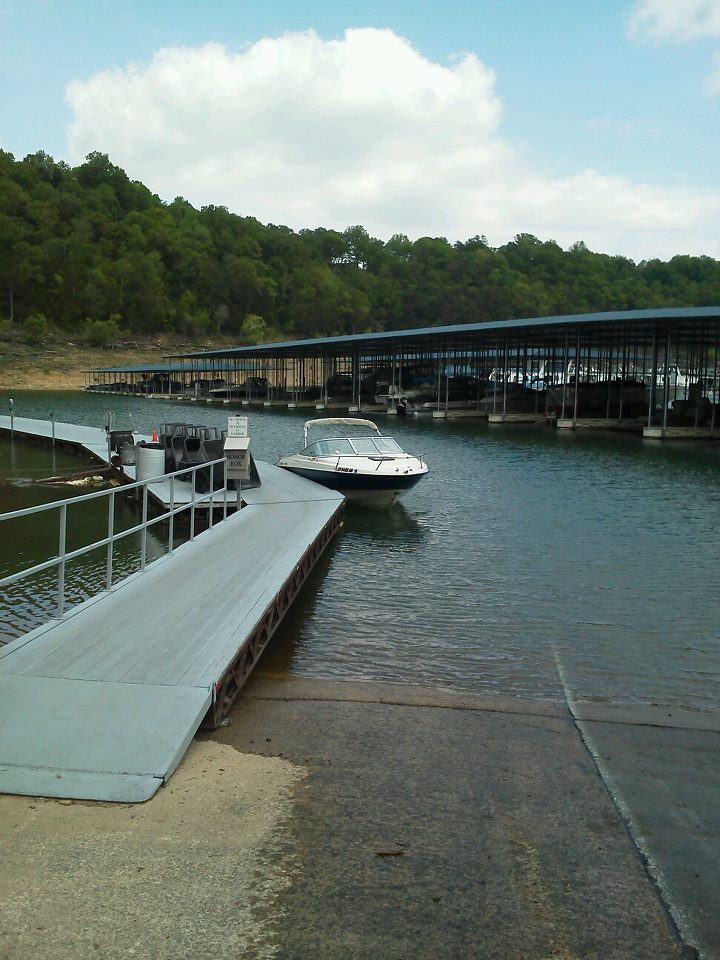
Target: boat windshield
point(387, 445)
point(365, 446)
point(328, 448)
point(357, 446)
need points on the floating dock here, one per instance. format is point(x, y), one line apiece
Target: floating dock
point(624, 425)
point(103, 703)
point(93, 442)
point(679, 433)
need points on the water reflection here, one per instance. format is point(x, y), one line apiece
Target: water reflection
point(398, 525)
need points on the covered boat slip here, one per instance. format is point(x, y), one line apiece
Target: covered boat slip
point(103, 703)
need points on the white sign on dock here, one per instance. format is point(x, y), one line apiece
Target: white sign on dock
point(237, 449)
point(237, 427)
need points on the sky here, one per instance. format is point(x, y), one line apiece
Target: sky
point(573, 120)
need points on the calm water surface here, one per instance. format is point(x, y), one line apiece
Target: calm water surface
point(526, 556)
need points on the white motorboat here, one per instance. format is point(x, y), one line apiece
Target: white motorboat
point(394, 394)
point(353, 457)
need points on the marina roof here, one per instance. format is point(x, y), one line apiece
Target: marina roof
point(639, 321)
point(688, 324)
point(165, 367)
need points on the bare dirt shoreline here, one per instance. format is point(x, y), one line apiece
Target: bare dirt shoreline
point(197, 871)
point(63, 364)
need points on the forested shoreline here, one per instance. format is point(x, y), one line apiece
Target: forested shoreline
point(90, 253)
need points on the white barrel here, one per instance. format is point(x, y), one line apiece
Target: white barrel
point(150, 460)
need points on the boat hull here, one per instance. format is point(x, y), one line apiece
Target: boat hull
point(362, 489)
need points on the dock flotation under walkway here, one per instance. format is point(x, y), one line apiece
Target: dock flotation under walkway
point(103, 703)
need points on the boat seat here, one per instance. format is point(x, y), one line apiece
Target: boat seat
point(178, 446)
point(167, 441)
point(214, 449)
point(193, 450)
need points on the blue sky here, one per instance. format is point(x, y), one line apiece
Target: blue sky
point(593, 121)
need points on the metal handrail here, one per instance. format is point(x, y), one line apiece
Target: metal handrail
point(64, 556)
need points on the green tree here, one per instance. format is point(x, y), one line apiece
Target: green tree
point(253, 329)
point(35, 327)
point(99, 333)
point(89, 242)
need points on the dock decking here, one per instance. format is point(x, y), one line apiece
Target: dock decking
point(103, 703)
point(91, 439)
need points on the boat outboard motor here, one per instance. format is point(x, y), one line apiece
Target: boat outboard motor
point(401, 407)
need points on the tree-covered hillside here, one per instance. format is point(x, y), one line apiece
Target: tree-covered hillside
point(86, 249)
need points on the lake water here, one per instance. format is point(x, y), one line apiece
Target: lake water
point(529, 562)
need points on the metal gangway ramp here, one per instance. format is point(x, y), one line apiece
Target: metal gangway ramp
point(102, 702)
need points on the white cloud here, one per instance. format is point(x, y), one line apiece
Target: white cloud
point(363, 129)
point(679, 20)
point(712, 82)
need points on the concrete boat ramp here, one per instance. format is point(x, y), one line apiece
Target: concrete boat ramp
point(103, 703)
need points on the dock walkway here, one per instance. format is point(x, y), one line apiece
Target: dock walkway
point(103, 703)
point(91, 439)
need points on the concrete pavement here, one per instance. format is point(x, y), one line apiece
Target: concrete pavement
point(341, 820)
point(431, 825)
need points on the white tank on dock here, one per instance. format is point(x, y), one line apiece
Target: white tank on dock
point(150, 460)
